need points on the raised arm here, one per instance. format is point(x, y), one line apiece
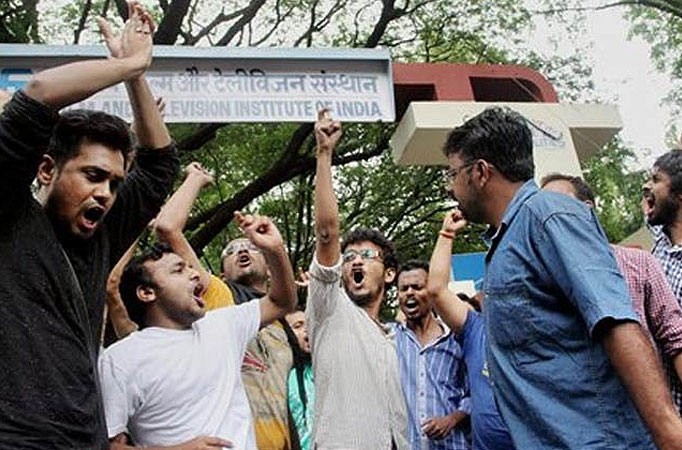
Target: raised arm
point(171, 220)
point(118, 313)
point(64, 85)
point(449, 306)
point(149, 125)
point(281, 298)
point(147, 185)
point(327, 228)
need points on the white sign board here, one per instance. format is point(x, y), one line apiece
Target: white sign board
point(235, 85)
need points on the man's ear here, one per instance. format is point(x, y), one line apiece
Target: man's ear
point(146, 294)
point(47, 170)
point(483, 170)
point(389, 275)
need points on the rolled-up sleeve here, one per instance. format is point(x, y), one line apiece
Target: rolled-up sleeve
point(575, 252)
point(323, 292)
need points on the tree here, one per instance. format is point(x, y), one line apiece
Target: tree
point(19, 21)
point(271, 171)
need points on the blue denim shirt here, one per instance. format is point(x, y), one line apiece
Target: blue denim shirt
point(550, 279)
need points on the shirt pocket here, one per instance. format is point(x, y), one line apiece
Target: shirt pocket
point(509, 316)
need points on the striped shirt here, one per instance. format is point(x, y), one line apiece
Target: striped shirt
point(358, 399)
point(670, 257)
point(434, 384)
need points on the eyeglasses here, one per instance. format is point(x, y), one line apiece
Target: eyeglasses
point(451, 173)
point(236, 247)
point(367, 254)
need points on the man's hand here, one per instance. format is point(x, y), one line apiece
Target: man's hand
point(4, 98)
point(135, 42)
point(195, 170)
point(439, 427)
point(453, 222)
point(303, 280)
point(205, 443)
point(327, 132)
point(261, 231)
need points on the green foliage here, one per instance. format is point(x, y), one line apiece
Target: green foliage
point(618, 191)
point(19, 21)
point(407, 203)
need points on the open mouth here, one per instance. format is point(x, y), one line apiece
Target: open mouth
point(196, 295)
point(411, 304)
point(94, 214)
point(244, 260)
point(649, 202)
point(358, 276)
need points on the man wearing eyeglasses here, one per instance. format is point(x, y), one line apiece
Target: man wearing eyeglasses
point(268, 358)
point(564, 345)
point(359, 403)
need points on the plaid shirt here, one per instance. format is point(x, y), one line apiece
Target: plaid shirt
point(670, 257)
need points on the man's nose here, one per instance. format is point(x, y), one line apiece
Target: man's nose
point(103, 193)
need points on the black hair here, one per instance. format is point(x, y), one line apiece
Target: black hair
point(136, 274)
point(78, 126)
point(362, 234)
point(413, 264)
point(499, 136)
point(671, 164)
point(583, 191)
point(300, 360)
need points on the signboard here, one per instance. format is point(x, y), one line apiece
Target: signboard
point(469, 267)
point(234, 84)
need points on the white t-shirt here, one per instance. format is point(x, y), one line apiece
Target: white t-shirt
point(165, 387)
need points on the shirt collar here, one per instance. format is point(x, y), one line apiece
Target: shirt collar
point(413, 337)
point(492, 235)
point(662, 239)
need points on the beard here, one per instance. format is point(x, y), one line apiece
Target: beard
point(363, 300)
point(667, 211)
point(250, 278)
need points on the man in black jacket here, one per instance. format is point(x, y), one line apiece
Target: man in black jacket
point(56, 249)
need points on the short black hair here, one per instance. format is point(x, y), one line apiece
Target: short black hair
point(136, 274)
point(78, 126)
point(362, 234)
point(413, 264)
point(499, 136)
point(583, 191)
point(671, 164)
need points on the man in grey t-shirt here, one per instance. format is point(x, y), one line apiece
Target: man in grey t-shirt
point(359, 402)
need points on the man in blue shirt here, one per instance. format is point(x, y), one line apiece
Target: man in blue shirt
point(564, 345)
point(431, 369)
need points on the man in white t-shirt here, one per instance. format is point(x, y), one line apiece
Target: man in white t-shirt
point(178, 381)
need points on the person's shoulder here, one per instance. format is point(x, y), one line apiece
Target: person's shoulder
point(632, 253)
point(125, 352)
point(545, 204)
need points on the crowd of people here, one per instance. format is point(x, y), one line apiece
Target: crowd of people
point(571, 344)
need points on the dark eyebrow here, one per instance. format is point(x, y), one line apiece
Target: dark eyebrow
point(102, 173)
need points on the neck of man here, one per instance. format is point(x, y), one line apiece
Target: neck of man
point(155, 319)
point(374, 307)
point(674, 230)
point(426, 328)
point(499, 200)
